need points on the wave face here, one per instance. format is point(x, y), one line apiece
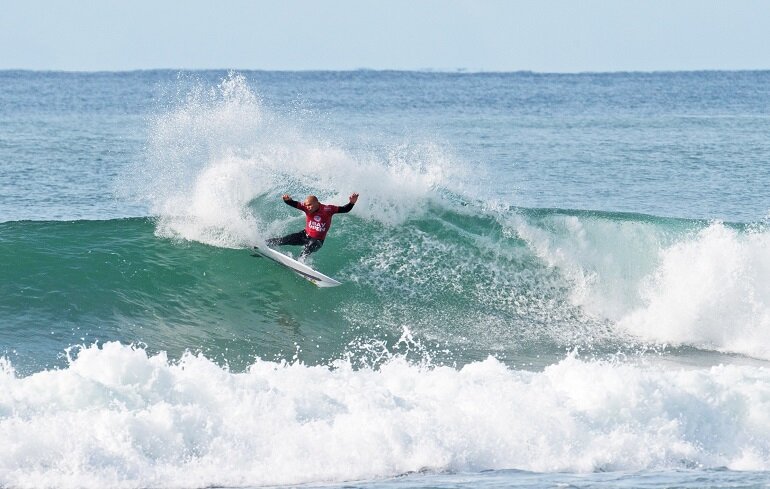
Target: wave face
point(476, 281)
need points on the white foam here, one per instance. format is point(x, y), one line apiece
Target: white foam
point(604, 260)
point(219, 149)
point(117, 417)
point(712, 290)
point(708, 288)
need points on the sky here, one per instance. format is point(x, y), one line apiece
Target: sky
point(482, 35)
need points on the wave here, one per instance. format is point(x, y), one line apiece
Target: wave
point(118, 416)
point(218, 159)
point(469, 282)
point(424, 249)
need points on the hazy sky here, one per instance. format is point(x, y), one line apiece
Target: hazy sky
point(487, 35)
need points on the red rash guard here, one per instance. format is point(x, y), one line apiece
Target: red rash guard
point(318, 224)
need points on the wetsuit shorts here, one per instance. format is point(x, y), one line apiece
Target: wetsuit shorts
point(298, 239)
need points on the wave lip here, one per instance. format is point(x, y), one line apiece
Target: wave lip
point(122, 418)
point(217, 150)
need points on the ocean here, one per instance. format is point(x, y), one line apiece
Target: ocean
point(549, 280)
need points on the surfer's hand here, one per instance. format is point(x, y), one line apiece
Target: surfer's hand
point(353, 198)
point(286, 197)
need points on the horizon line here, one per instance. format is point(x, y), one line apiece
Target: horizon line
point(453, 71)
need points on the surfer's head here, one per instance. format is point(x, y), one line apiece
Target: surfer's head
point(311, 203)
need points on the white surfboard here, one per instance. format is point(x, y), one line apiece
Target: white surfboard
point(297, 267)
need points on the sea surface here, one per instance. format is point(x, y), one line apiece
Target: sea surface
point(548, 281)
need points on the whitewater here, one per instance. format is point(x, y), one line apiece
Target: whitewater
point(549, 280)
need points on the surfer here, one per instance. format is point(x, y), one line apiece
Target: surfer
point(318, 220)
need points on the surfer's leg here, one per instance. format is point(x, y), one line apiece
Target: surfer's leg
point(294, 239)
point(311, 246)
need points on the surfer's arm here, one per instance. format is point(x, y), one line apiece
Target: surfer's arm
point(289, 201)
point(349, 206)
point(345, 208)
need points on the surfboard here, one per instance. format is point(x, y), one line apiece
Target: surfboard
point(304, 271)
